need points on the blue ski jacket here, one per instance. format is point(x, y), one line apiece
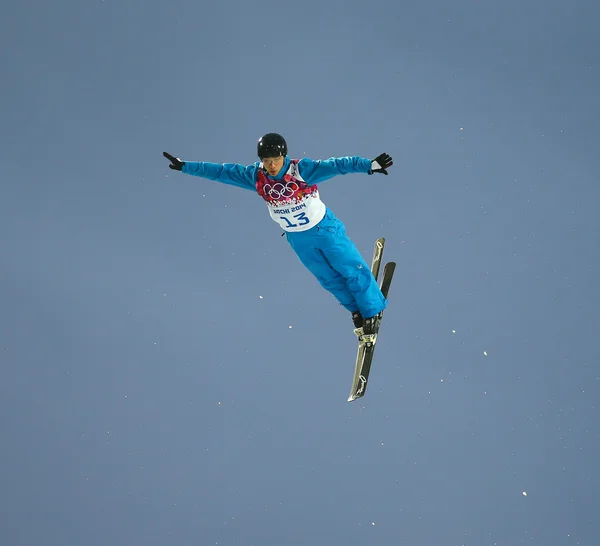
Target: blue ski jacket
point(245, 177)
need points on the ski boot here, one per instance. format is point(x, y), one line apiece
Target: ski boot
point(358, 321)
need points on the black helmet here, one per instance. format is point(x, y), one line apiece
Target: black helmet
point(271, 145)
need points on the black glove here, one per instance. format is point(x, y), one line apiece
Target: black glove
point(176, 163)
point(381, 163)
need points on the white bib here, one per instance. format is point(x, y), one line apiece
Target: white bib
point(292, 203)
point(298, 215)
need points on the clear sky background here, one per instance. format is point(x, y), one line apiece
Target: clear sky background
point(169, 372)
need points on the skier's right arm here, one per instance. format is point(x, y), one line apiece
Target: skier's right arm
point(234, 174)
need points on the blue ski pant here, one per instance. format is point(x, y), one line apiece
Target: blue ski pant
point(330, 255)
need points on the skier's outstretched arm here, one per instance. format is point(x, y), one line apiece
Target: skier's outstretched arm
point(314, 172)
point(234, 174)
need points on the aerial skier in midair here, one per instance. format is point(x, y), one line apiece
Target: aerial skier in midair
point(319, 239)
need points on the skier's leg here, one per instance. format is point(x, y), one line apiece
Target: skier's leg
point(345, 258)
point(315, 261)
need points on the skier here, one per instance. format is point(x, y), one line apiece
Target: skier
point(289, 187)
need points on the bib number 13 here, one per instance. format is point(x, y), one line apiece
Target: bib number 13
point(302, 220)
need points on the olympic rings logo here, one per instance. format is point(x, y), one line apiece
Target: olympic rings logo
point(280, 190)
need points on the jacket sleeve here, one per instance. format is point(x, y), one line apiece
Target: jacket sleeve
point(233, 174)
point(314, 172)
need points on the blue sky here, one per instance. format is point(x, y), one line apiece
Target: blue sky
point(171, 374)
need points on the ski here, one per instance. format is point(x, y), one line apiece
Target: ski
point(366, 342)
point(375, 267)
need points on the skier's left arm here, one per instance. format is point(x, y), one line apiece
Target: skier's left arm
point(314, 172)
